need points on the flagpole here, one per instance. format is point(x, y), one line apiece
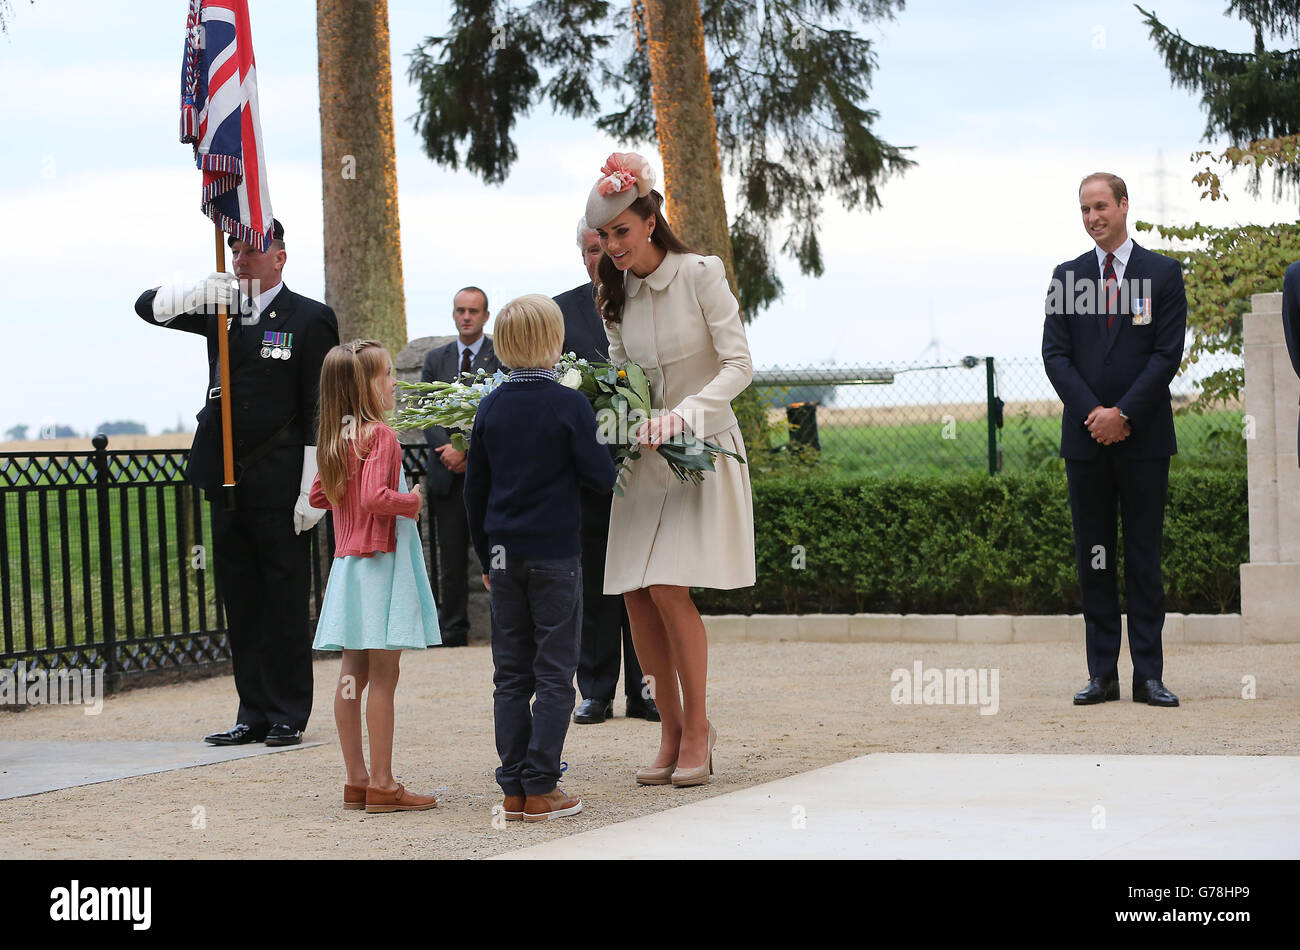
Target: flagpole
point(223, 362)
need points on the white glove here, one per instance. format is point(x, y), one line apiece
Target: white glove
point(216, 288)
point(304, 515)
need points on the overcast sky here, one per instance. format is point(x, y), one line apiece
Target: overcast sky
point(1007, 105)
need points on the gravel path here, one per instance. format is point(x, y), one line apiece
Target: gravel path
point(780, 708)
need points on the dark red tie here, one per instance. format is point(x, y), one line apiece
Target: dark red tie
point(464, 358)
point(1111, 287)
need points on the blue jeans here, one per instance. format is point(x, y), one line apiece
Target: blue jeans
point(536, 632)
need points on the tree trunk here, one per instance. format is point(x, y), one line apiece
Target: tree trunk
point(686, 128)
point(363, 246)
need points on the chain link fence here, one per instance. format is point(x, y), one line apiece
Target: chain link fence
point(974, 414)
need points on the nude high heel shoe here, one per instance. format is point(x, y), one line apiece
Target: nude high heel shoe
point(653, 776)
point(700, 775)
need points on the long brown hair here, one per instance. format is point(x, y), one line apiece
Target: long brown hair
point(610, 296)
point(350, 405)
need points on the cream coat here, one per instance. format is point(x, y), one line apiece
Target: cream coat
point(682, 325)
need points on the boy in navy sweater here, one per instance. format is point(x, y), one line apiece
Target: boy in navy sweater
point(532, 445)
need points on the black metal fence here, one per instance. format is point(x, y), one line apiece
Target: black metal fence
point(105, 562)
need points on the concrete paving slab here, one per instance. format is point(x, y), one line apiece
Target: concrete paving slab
point(907, 805)
point(29, 768)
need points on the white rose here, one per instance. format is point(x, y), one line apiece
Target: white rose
point(572, 379)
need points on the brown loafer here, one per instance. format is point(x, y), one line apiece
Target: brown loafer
point(513, 808)
point(379, 801)
point(354, 797)
point(554, 804)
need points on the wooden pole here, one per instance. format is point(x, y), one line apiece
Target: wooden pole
point(223, 363)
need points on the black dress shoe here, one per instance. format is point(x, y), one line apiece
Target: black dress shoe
point(1098, 690)
point(643, 709)
point(280, 734)
point(1153, 693)
point(594, 710)
point(242, 734)
point(455, 640)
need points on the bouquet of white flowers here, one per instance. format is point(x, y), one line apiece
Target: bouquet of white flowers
point(620, 395)
point(451, 405)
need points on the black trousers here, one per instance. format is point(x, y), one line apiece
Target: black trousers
point(1139, 489)
point(452, 528)
point(263, 579)
point(536, 618)
point(605, 629)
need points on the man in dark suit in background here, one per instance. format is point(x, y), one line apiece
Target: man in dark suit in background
point(470, 352)
point(605, 625)
point(1112, 342)
point(262, 549)
point(1291, 319)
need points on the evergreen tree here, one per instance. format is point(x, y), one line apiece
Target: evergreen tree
point(788, 81)
point(1254, 100)
point(1246, 95)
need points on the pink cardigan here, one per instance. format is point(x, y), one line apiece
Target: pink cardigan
point(366, 521)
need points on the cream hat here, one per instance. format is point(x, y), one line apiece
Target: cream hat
point(624, 177)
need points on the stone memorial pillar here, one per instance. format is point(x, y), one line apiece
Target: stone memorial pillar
point(1270, 583)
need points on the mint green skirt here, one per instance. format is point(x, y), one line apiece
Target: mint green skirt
point(381, 602)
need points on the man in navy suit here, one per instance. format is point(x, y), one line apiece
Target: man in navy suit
point(1291, 318)
point(605, 626)
point(445, 468)
point(1112, 342)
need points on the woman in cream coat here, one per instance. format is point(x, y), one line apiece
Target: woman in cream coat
point(672, 312)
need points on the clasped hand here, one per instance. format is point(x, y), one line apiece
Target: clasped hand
point(1107, 426)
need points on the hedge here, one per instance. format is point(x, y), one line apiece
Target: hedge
point(966, 545)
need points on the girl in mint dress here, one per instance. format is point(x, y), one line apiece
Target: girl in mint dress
point(377, 601)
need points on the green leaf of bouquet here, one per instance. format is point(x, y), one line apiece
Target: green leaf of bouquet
point(637, 382)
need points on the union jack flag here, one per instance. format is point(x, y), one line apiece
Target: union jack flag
point(219, 116)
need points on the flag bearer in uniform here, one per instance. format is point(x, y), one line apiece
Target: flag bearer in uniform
point(278, 340)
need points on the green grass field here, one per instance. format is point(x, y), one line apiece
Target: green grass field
point(1210, 440)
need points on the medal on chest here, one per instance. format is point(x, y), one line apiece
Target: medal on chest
point(277, 346)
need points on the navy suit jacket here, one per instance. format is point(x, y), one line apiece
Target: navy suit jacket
point(442, 364)
point(1291, 319)
point(266, 395)
point(584, 332)
point(1129, 365)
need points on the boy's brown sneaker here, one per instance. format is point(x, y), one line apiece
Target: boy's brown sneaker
point(378, 800)
point(514, 808)
point(554, 804)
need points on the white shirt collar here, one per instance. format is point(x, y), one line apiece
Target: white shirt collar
point(263, 300)
point(1121, 255)
point(473, 347)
